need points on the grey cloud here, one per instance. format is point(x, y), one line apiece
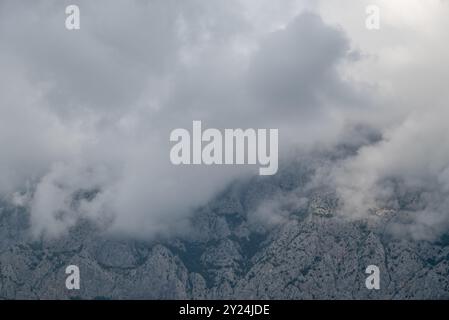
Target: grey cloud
point(89, 113)
point(406, 170)
point(296, 67)
point(107, 64)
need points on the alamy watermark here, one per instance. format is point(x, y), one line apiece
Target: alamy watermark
point(72, 21)
point(373, 280)
point(72, 282)
point(233, 146)
point(372, 21)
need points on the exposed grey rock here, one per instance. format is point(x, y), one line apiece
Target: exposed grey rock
point(314, 254)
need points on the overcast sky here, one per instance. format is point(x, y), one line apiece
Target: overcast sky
point(92, 109)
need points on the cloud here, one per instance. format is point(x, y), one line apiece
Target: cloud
point(406, 171)
point(296, 66)
point(95, 107)
point(85, 116)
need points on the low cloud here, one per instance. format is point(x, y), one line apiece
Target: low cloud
point(85, 116)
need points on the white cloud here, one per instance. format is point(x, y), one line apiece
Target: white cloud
point(91, 110)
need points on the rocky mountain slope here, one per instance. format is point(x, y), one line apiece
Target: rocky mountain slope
point(307, 252)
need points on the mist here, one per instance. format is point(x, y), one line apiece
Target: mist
point(85, 116)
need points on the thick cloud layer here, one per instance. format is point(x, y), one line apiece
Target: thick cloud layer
point(407, 169)
point(85, 115)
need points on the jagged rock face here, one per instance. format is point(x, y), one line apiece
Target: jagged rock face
point(310, 253)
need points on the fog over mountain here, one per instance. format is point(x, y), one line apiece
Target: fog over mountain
point(85, 171)
point(85, 116)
